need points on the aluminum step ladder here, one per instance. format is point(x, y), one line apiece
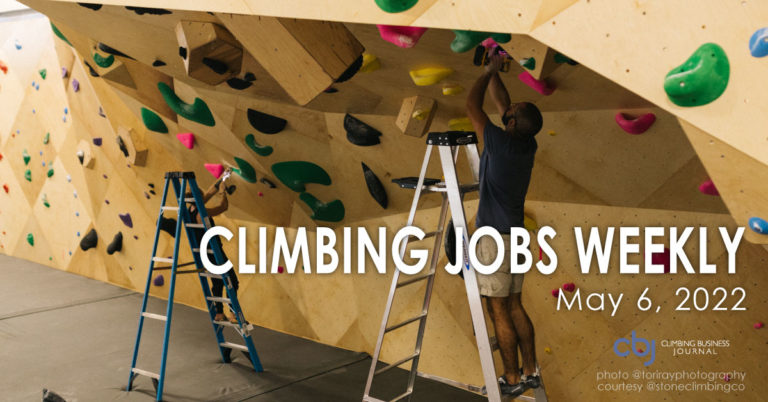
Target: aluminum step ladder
point(452, 192)
point(181, 181)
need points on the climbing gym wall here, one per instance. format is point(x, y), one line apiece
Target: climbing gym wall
point(653, 116)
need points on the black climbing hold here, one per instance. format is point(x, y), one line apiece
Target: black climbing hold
point(91, 70)
point(249, 77)
point(89, 241)
point(151, 11)
point(331, 90)
point(268, 182)
point(183, 52)
point(231, 189)
point(450, 243)
point(151, 185)
point(351, 70)
point(237, 83)
point(168, 225)
point(152, 192)
point(121, 144)
point(80, 156)
point(158, 63)
point(116, 244)
point(107, 49)
point(360, 133)
point(218, 66)
point(50, 396)
point(479, 55)
point(374, 186)
point(92, 6)
point(265, 123)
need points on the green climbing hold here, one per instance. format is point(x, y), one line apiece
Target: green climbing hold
point(30, 239)
point(294, 174)
point(28, 175)
point(329, 212)
point(59, 34)
point(152, 121)
point(50, 172)
point(46, 138)
point(43, 73)
point(45, 201)
point(198, 111)
point(529, 63)
point(26, 156)
point(561, 58)
point(701, 79)
point(245, 170)
point(262, 150)
point(395, 6)
point(102, 61)
point(468, 40)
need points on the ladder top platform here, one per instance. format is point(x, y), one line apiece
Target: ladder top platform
point(180, 175)
point(452, 138)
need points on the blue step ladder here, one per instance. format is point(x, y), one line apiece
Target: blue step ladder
point(181, 181)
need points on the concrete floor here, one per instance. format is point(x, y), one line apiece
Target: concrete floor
point(75, 336)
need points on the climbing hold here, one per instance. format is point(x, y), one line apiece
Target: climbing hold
point(468, 40)
point(46, 138)
point(295, 174)
point(375, 188)
point(701, 79)
point(637, 125)
point(103, 62)
point(268, 182)
point(530, 224)
point(218, 66)
point(116, 244)
point(452, 89)
point(561, 58)
point(17, 44)
point(216, 169)
point(64, 72)
point(43, 73)
point(280, 269)
point(371, 63)
point(45, 201)
point(556, 292)
point(92, 6)
point(351, 70)
point(126, 218)
point(245, 170)
point(158, 63)
point(540, 86)
point(262, 150)
point(188, 139)
point(239, 84)
point(75, 85)
point(30, 239)
point(661, 258)
point(265, 123)
point(159, 280)
point(25, 156)
point(198, 111)
point(403, 36)
point(429, 75)
point(330, 90)
point(708, 188)
point(461, 124)
point(758, 225)
point(360, 133)
point(49, 173)
point(69, 179)
point(6, 188)
point(758, 43)
point(528, 63)
point(150, 11)
point(758, 325)
point(97, 141)
point(395, 6)
point(569, 287)
point(328, 212)
point(547, 350)
point(152, 121)
point(3, 68)
point(260, 194)
point(110, 50)
point(91, 71)
point(28, 175)
point(89, 241)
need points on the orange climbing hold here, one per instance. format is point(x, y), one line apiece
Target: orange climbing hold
point(3, 67)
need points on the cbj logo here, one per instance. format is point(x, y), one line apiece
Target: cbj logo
point(641, 347)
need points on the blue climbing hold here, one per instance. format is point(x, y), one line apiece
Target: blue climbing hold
point(66, 110)
point(758, 225)
point(758, 43)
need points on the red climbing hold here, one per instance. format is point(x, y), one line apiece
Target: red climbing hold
point(188, 139)
point(708, 188)
point(758, 325)
point(540, 86)
point(5, 187)
point(280, 269)
point(3, 67)
point(555, 292)
point(569, 287)
point(405, 37)
point(637, 125)
point(661, 259)
point(216, 169)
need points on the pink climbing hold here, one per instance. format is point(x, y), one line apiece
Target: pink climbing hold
point(637, 125)
point(159, 280)
point(75, 84)
point(261, 194)
point(280, 269)
point(216, 169)
point(758, 325)
point(727, 378)
point(540, 86)
point(708, 188)
point(661, 259)
point(555, 292)
point(405, 37)
point(188, 139)
point(569, 287)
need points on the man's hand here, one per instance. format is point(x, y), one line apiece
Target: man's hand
point(495, 63)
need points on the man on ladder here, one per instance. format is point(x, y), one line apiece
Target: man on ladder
point(505, 172)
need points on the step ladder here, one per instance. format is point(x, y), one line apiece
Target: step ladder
point(452, 192)
point(181, 182)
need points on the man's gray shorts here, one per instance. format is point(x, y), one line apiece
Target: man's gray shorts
point(501, 283)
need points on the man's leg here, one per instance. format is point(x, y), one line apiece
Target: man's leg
point(498, 308)
point(524, 330)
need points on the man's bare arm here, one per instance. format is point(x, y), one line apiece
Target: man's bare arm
point(221, 207)
point(499, 94)
point(477, 95)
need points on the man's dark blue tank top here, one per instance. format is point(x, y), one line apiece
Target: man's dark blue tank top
point(505, 172)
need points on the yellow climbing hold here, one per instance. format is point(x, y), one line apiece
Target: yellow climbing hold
point(548, 350)
point(371, 63)
point(530, 224)
point(461, 124)
point(421, 114)
point(429, 75)
point(454, 89)
point(552, 133)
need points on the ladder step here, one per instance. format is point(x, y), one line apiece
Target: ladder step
point(441, 188)
point(210, 275)
point(406, 322)
point(415, 279)
point(397, 363)
point(189, 271)
point(155, 316)
point(189, 200)
point(226, 324)
point(432, 234)
point(169, 209)
point(401, 396)
point(146, 373)
point(219, 299)
point(197, 250)
point(163, 259)
point(195, 225)
point(234, 346)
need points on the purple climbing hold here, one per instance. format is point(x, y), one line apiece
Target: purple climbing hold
point(75, 84)
point(101, 112)
point(146, 195)
point(126, 218)
point(97, 141)
point(105, 176)
point(135, 237)
point(106, 202)
point(159, 280)
point(64, 72)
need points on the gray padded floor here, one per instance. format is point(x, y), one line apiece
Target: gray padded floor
point(75, 336)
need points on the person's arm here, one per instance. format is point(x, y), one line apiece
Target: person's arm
point(211, 191)
point(499, 94)
point(222, 206)
point(477, 95)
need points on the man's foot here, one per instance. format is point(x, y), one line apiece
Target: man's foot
point(220, 317)
point(513, 390)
